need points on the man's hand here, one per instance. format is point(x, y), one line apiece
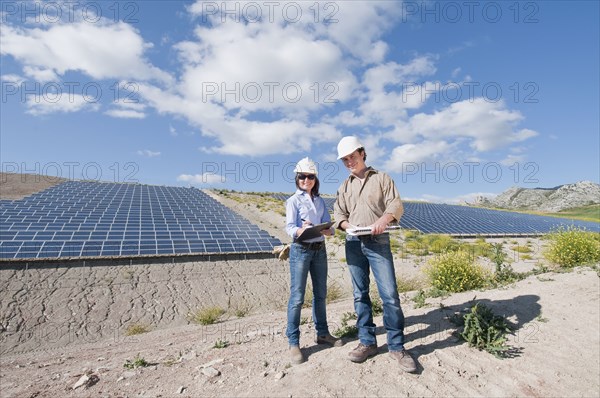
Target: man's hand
point(379, 226)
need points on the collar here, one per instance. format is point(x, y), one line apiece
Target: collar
point(369, 170)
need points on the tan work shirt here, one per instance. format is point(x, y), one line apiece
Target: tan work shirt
point(363, 203)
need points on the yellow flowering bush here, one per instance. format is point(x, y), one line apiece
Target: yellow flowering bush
point(573, 246)
point(456, 272)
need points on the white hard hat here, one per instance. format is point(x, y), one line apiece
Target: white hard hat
point(306, 165)
point(347, 145)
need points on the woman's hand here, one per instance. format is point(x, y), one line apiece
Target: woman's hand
point(305, 224)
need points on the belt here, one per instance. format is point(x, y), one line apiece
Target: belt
point(312, 246)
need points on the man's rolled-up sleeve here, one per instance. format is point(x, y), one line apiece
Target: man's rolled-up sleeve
point(392, 199)
point(340, 212)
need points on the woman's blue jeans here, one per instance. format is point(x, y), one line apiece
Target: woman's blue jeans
point(372, 252)
point(302, 262)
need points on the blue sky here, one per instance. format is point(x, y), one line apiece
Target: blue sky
point(453, 99)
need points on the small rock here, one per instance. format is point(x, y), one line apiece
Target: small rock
point(210, 372)
point(101, 359)
point(180, 390)
point(279, 376)
point(81, 382)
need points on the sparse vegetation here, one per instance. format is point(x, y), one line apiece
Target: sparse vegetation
point(138, 362)
point(425, 244)
point(221, 343)
point(206, 315)
point(241, 308)
point(408, 284)
point(136, 328)
point(334, 292)
point(346, 330)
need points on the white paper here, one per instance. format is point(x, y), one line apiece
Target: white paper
point(357, 231)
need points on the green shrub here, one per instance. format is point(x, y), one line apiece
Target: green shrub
point(207, 315)
point(455, 272)
point(138, 362)
point(221, 344)
point(486, 331)
point(573, 246)
point(347, 330)
point(136, 328)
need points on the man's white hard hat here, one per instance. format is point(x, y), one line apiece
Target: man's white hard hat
point(307, 166)
point(347, 145)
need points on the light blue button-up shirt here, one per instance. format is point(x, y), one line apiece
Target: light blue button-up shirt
point(300, 207)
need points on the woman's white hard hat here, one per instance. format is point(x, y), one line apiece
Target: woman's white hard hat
point(347, 145)
point(307, 166)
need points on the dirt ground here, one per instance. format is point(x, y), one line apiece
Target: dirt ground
point(17, 186)
point(66, 324)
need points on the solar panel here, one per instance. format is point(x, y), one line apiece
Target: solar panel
point(90, 219)
point(465, 220)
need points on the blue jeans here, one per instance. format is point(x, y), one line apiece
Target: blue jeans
point(303, 261)
point(372, 252)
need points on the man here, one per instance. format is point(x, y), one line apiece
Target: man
point(368, 198)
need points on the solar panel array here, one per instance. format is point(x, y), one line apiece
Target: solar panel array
point(465, 220)
point(91, 219)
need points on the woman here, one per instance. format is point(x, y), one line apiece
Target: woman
point(304, 209)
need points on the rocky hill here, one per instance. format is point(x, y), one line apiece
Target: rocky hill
point(567, 196)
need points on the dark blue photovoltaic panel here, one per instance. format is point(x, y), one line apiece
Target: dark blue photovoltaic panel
point(88, 219)
point(465, 220)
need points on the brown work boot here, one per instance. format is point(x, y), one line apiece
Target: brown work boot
point(406, 362)
point(296, 355)
point(362, 352)
point(329, 339)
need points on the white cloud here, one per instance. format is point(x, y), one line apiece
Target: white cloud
point(206, 178)
point(487, 125)
point(41, 75)
point(50, 103)
point(423, 152)
point(101, 50)
point(12, 78)
point(125, 114)
point(244, 137)
point(173, 131)
point(355, 27)
point(392, 89)
point(510, 160)
point(148, 153)
point(263, 67)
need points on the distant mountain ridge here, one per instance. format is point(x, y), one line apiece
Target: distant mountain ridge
point(563, 197)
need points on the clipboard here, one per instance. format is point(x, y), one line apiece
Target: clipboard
point(314, 231)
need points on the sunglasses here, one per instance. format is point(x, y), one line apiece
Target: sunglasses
point(305, 176)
